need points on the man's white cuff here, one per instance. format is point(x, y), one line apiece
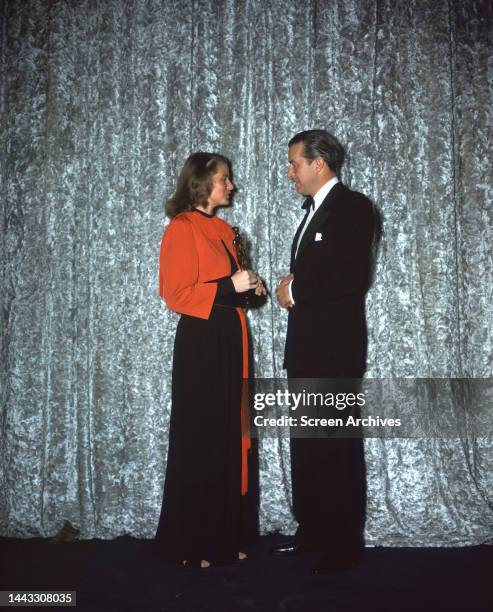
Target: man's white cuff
point(290, 292)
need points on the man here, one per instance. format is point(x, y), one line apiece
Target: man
point(327, 339)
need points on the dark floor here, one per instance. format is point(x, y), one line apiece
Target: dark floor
point(121, 574)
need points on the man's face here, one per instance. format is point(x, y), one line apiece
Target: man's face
point(301, 172)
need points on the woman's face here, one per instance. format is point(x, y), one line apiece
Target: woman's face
point(222, 187)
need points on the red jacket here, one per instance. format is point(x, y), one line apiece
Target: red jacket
point(191, 255)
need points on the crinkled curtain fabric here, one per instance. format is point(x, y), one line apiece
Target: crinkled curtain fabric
point(101, 102)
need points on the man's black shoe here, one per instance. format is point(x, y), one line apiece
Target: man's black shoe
point(285, 550)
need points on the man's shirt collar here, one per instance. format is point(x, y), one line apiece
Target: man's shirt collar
point(321, 194)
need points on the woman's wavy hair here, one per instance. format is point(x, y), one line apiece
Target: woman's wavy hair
point(194, 184)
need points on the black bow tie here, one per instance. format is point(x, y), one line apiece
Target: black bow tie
point(309, 203)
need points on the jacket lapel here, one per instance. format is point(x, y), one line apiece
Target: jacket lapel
point(295, 239)
point(320, 217)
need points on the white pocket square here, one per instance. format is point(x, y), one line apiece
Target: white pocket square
point(318, 237)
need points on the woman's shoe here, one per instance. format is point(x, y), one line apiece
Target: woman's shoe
point(196, 564)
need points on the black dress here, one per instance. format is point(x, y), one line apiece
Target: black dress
point(204, 515)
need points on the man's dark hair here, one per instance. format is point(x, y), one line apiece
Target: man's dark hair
point(320, 143)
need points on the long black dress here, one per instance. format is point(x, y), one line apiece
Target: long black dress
point(204, 515)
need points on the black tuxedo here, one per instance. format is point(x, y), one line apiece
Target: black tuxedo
point(327, 338)
point(326, 327)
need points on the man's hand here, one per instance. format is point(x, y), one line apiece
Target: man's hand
point(282, 292)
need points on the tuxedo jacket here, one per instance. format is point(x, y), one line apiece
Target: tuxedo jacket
point(326, 334)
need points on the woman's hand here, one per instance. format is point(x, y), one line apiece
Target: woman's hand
point(244, 280)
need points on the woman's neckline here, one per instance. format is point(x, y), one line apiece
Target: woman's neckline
point(202, 212)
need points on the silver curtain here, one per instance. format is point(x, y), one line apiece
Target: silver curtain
point(101, 102)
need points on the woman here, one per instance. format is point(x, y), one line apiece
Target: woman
point(202, 518)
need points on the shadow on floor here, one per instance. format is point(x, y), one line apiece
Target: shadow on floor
point(121, 574)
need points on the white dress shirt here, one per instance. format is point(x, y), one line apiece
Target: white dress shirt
point(318, 198)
